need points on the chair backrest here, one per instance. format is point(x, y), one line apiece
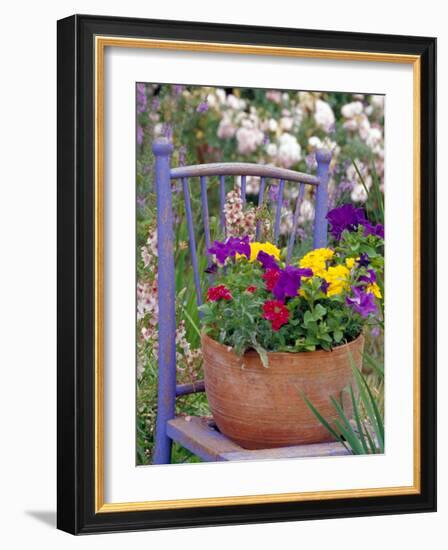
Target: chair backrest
point(164, 174)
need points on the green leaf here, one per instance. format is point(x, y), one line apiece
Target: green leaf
point(319, 312)
point(308, 318)
point(337, 335)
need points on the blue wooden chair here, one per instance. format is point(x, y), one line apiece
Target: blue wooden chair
point(199, 435)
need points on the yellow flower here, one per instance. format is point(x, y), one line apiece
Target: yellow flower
point(337, 277)
point(350, 262)
point(317, 260)
point(374, 289)
point(268, 247)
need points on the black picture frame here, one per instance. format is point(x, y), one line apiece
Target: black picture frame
point(76, 225)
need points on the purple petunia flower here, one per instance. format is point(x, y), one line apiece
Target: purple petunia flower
point(220, 250)
point(288, 283)
point(363, 260)
point(345, 217)
point(267, 260)
point(229, 248)
point(362, 302)
point(324, 286)
point(202, 107)
point(370, 278)
point(239, 246)
point(370, 229)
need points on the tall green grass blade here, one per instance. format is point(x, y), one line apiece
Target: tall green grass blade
point(347, 428)
point(370, 406)
point(372, 445)
point(375, 365)
point(323, 421)
point(363, 183)
point(358, 421)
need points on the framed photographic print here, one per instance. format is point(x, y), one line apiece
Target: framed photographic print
point(246, 274)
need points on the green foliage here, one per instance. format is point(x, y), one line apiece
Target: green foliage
point(365, 434)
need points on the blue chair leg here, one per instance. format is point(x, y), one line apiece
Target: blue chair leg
point(167, 303)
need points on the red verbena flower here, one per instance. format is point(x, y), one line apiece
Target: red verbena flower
point(219, 292)
point(251, 289)
point(276, 312)
point(271, 277)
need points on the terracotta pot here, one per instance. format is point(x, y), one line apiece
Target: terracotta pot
point(261, 408)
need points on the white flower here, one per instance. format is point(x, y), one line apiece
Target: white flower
point(248, 139)
point(352, 109)
point(272, 125)
point(274, 95)
point(271, 149)
point(314, 142)
point(377, 101)
point(289, 151)
point(221, 94)
point(286, 123)
point(306, 210)
point(323, 115)
point(235, 103)
point(212, 100)
point(359, 193)
point(158, 129)
point(226, 129)
point(374, 137)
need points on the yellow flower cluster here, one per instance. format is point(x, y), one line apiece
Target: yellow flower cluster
point(337, 276)
point(267, 247)
point(374, 289)
point(317, 260)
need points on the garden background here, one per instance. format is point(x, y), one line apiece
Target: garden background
point(283, 128)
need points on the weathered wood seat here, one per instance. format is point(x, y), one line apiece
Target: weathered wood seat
point(201, 436)
point(197, 434)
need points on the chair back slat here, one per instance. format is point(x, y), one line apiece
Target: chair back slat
point(204, 203)
point(243, 190)
point(260, 204)
point(278, 213)
point(323, 158)
point(192, 240)
point(242, 169)
point(295, 223)
point(222, 202)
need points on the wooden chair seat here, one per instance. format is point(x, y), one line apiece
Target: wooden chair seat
point(201, 436)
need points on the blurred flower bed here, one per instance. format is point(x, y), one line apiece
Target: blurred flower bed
point(205, 124)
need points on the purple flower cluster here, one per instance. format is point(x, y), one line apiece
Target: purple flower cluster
point(289, 282)
point(370, 229)
point(202, 107)
point(229, 248)
point(350, 218)
point(362, 302)
point(370, 278)
point(142, 100)
point(345, 217)
point(267, 261)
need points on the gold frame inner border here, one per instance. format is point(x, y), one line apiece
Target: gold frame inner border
point(101, 43)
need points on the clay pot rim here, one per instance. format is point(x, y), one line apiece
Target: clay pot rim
point(273, 354)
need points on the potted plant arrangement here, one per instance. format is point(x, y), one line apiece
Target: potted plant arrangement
point(277, 336)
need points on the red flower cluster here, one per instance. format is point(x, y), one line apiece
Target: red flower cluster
point(251, 289)
point(219, 292)
point(276, 312)
point(271, 277)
